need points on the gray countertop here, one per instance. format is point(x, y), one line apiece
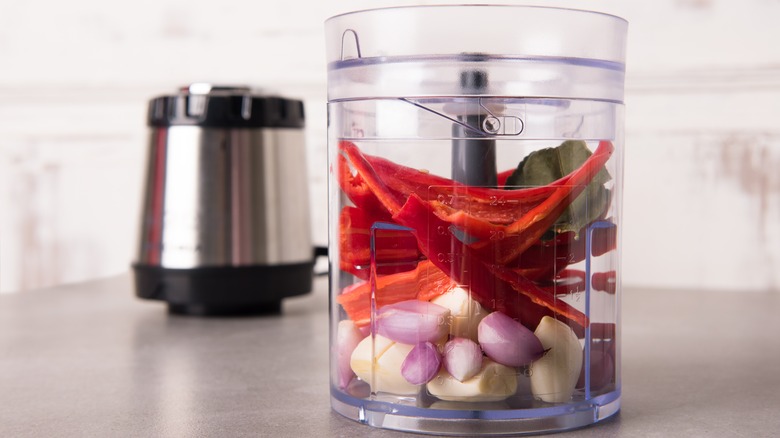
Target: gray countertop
point(92, 360)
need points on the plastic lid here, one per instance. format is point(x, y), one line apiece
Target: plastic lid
point(208, 105)
point(516, 50)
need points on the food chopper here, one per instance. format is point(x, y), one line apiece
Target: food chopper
point(225, 227)
point(476, 168)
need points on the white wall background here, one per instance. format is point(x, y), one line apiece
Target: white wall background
point(702, 192)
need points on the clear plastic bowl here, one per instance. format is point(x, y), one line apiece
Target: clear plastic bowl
point(476, 159)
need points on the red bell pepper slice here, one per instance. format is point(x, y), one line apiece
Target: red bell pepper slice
point(573, 280)
point(603, 240)
point(521, 216)
point(495, 287)
point(426, 282)
point(508, 221)
point(498, 206)
point(503, 176)
point(533, 224)
point(494, 205)
point(364, 187)
point(396, 251)
point(392, 183)
point(605, 281)
point(546, 258)
point(568, 281)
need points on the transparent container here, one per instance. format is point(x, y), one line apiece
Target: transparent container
point(476, 165)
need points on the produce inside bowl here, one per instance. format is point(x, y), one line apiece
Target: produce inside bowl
point(434, 260)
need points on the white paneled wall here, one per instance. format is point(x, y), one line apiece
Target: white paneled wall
point(702, 192)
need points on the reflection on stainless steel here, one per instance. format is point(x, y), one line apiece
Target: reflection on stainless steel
point(225, 197)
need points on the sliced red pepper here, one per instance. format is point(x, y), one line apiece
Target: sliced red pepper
point(494, 205)
point(392, 183)
point(494, 286)
point(566, 282)
point(573, 280)
point(451, 203)
point(570, 281)
point(473, 208)
point(396, 251)
point(426, 282)
point(482, 213)
point(356, 189)
point(533, 224)
point(503, 176)
point(603, 240)
point(546, 258)
point(605, 281)
point(364, 187)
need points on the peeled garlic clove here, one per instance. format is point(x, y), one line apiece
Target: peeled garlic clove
point(493, 382)
point(363, 356)
point(377, 361)
point(465, 312)
point(388, 371)
point(348, 336)
point(554, 376)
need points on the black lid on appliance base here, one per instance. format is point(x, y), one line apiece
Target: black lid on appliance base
point(207, 105)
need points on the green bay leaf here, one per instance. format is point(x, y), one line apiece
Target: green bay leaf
point(547, 165)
